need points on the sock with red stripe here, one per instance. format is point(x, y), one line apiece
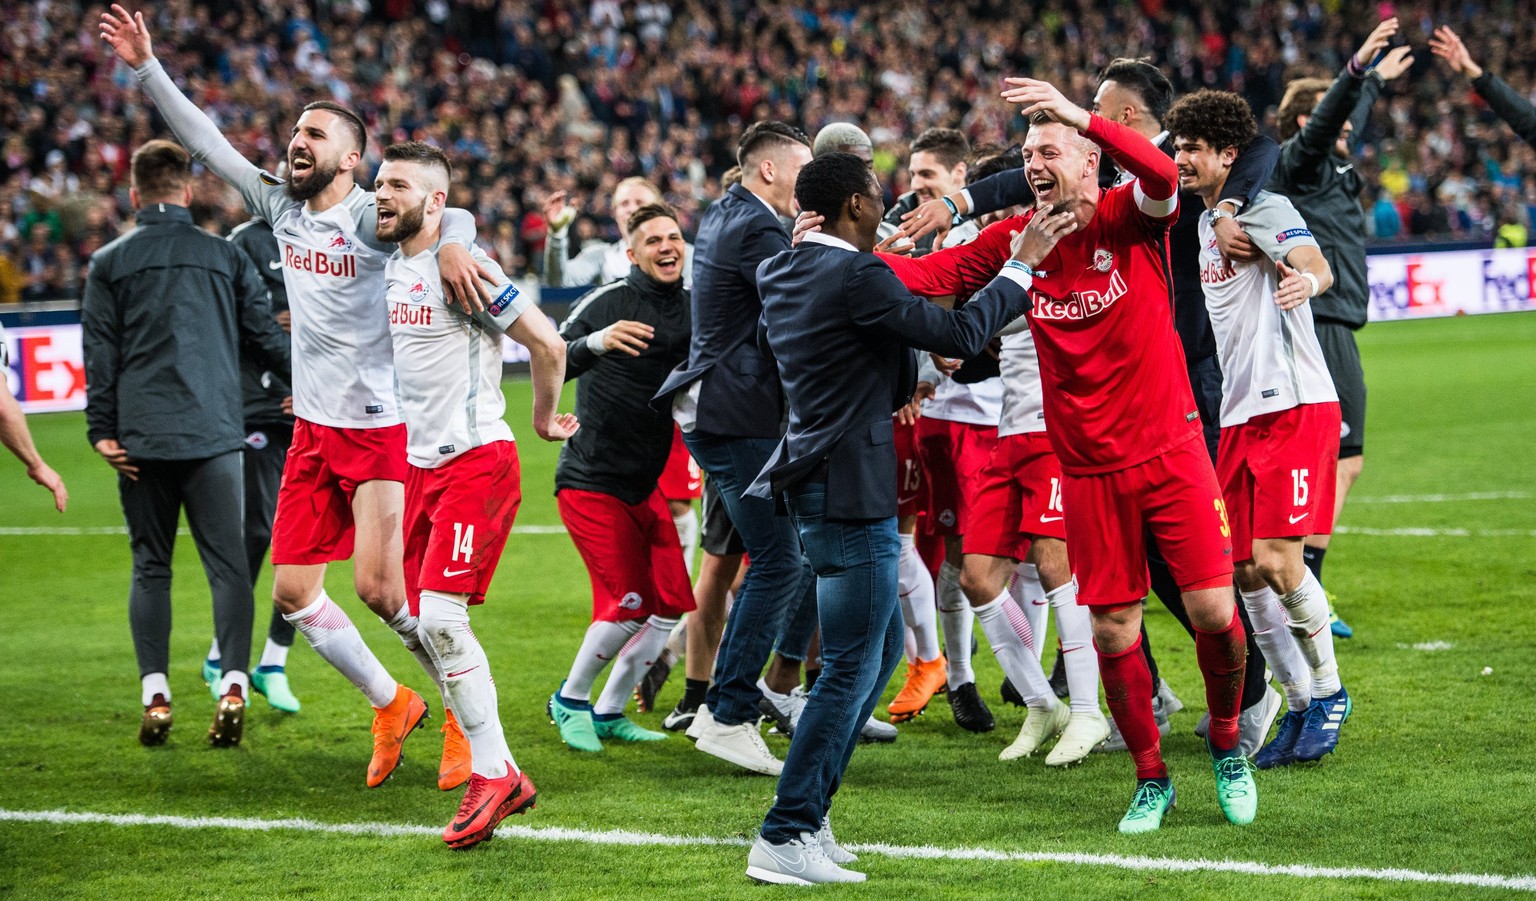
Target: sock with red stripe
point(330, 632)
point(1128, 691)
point(1027, 592)
point(1007, 630)
point(633, 662)
point(601, 645)
point(445, 632)
point(1223, 657)
point(1306, 609)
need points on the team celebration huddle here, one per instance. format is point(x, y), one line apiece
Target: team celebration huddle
point(1049, 383)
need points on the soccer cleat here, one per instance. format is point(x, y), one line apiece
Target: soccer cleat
point(456, 765)
point(679, 719)
point(1338, 627)
point(272, 684)
point(1236, 791)
point(786, 713)
point(799, 861)
point(621, 728)
point(1320, 733)
point(1281, 750)
point(228, 720)
point(1253, 724)
point(1085, 731)
point(1116, 741)
point(486, 803)
point(1170, 701)
point(1039, 727)
point(701, 721)
point(1058, 677)
point(574, 720)
point(156, 724)
point(876, 732)
point(970, 710)
point(1153, 799)
point(391, 724)
point(925, 678)
point(212, 674)
point(829, 845)
point(1010, 695)
point(742, 745)
point(651, 683)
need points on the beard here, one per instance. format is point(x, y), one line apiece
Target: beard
point(407, 223)
point(320, 176)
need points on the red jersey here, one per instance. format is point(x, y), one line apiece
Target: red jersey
point(1116, 385)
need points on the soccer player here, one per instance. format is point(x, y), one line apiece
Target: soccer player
point(599, 264)
point(622, 340)
point(1279, 423)
point(1318, 121)
point(342, 493)
point(1123, 424)
point(463, 487)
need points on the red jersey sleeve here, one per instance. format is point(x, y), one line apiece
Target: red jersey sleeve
point(1157, 178)
point(961, 270)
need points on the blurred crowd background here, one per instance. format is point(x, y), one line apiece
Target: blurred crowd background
point(532, 97)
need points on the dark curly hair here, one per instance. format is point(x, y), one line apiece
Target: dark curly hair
point(827, 182)
point(1221, 119)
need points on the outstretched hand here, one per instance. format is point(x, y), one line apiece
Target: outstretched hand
point(1447, 45)
point(127, 35)
point(1042, 97)
point(1376, 42)
point(1397, 61)
point(930, 217)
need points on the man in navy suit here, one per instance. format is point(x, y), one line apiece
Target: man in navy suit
point(842, 329)
point(726, 399)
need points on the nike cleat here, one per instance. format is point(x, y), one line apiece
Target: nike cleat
point(1040, 726)
point(925, 678)
point(1320, 733)
point(1281, 750)
point(228, 720)
point(786, 713)
point(620, 728)
point(486, 803)
point(455, 767)
point(1085, 731)
point(574, 720)
point(156, 724)
point(1153, 799)
point(970, 710)
point(391, 725)
point(679, 719)
point(652, 682)
point(213, 673)
point(272, 684)
point(799, 861)
point(1010, 695)
point(1236, 791)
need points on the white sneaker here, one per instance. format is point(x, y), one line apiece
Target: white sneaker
point(1253, 724)
point(1116, 741)
point(1171, 702)
point(796, 862)
point(1039, 727)
point(829, 845)
point(784, 710)
point(1085, 730)
point(742, 745)
point(875, 730)
point(701, 721)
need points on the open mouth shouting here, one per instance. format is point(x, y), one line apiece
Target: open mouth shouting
point(1045, 190)
point(669, 264)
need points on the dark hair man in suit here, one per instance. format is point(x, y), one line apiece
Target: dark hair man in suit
point(842, 329)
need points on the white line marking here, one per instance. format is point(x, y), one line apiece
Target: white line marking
point(1426, 646)
point(922, 852)
point(30, 531)
point(1424, 532)
point(1443, 498)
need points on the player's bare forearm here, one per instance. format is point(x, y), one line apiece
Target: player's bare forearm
point(546, 366)
point(14, 433)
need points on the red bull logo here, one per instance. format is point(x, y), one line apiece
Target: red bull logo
point(341, 242)
point(320, 263)
point(409, 314)
point(418, 292)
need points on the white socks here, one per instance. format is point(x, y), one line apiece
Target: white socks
point(633, 661)
point(405, 625)
point(1280, 650)
point(1081, 661)
point(213, 650)
point(445, 633)
point(1008, 632)
point(1306, 609)
point(328, 630)
point(688, 533)
point(1027, 592)
point(274, 654)
point(955, 615)
point(914, 587)
point(235, 680)
point(155, 684)
point(598, 648)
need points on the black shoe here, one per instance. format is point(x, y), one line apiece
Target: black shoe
point(1010, 694)
point(1059, 678)
point(970, 710)
point(651, 683)
point(680, 718)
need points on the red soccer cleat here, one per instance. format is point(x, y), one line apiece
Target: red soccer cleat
point(486, 803)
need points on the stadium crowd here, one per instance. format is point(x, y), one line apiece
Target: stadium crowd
point(574, 95)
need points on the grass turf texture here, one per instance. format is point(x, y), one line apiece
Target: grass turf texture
point(1436, 770)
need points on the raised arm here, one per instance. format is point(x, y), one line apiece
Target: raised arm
point(1502, 99)
point(961, 270)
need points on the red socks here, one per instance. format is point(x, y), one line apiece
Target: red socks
point(1223, 658)
point(1128, 690)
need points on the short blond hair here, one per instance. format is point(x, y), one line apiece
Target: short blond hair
point(1301, 96)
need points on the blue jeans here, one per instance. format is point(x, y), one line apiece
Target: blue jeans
point(773, 584)
point(861, 643)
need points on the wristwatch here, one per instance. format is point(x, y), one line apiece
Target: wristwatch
point(1218, 213)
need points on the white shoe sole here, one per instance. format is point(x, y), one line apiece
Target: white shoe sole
point(774, 877)
point(729, 753)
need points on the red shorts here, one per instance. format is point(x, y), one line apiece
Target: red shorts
point(457, 518)
point(681, 480)
point(1277, 474)
point(953, 455)
point(632, 554)
point(313, 523)
point(1176, 498)
point(1017, 498)
point(909, 472)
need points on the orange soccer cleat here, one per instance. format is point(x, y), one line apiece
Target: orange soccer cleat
point(925, 678)
point(390, 727)
point(455, 768)
point(486, 803)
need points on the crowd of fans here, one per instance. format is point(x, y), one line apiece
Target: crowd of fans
point(532, 97)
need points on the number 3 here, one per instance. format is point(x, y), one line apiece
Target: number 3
point(1226, 527)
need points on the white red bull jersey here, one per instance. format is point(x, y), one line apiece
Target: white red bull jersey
point(1023, 392)
point(1270, 358)
point(976, 403)
point(449, 365)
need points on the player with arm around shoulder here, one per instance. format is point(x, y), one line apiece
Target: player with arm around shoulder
point(462, 488)
point(1279, 424)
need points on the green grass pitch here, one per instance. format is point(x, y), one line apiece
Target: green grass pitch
point(1436, 771)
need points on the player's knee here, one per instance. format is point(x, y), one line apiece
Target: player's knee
point(439, 623)
point(978, 588)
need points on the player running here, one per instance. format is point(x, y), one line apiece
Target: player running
point(342, 493)
point(1279, 423)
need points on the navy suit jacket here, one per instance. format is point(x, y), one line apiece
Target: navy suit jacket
point(842, 328)
point(740, 397)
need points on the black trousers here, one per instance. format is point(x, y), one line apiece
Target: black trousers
point(265, 452)
point(213, 494)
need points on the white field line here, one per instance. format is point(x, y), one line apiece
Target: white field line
point(30, 531)
point(922, 852)
point(1417, 532)
point(1443, 498)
